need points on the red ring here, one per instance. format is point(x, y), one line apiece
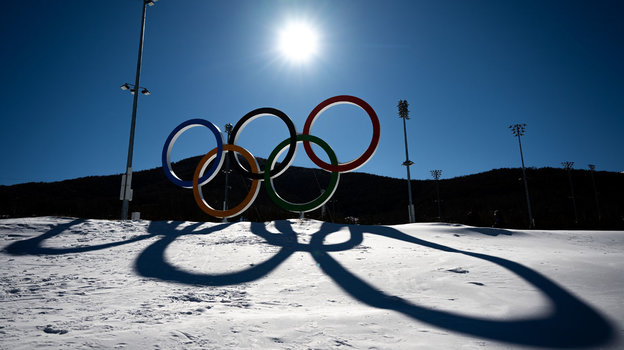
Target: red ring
point(359, 161)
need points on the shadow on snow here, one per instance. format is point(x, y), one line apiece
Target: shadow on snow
point(571, 323)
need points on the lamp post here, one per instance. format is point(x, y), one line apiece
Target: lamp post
point(126, 181)
point(132, 88)
point(404, 114)
point(592, 169)
point(568, 166)
point(518, 130)
point(436, 176)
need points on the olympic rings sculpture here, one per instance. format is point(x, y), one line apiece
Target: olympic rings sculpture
point(203, 175)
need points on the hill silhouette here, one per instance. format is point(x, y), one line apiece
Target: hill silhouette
point(360, 198)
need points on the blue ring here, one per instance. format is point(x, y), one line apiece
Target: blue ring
point(166, 161)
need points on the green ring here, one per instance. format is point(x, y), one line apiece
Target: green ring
point(314, 204)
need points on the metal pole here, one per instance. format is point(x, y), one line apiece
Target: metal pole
point(436, 176)
point(228, 129)
point(127, 186)
point(568, 167)
point(438, 191)
point(404, 114)
point(573, 198)
point(526, 186)
point(407, 164)
point(227, 173)
point(592, 168)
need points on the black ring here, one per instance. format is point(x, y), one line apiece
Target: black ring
point(290, 155)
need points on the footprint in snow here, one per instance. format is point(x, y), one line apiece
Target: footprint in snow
point(458, 270)
point(51, 330)
point(477, 283)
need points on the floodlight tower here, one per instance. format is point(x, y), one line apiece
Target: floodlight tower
point(436, 176)
point(126, 181)
point(404, 114)
point(568, 166)
point(518, 130)
point(592, 169)
point(228, 130)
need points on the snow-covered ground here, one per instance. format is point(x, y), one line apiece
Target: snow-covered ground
point(70, 283)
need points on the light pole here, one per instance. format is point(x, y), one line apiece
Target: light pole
point(228, 130)
point(404, 114)
point(518, 130)
point(568, 166)
point(126, 181)
point(592, 168)
point(132, 88)
point(436, 176)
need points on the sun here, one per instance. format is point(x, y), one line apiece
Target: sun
point(298, 42)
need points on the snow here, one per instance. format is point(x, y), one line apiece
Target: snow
point(304, 284)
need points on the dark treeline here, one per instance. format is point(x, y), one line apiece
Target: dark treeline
point(362, 198)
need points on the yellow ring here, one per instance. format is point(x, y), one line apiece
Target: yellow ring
point(251, 196)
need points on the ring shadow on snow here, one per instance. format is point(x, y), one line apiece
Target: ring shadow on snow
point(32, 246)
point(571, 323)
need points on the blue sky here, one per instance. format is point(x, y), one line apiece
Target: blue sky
point(468, 69)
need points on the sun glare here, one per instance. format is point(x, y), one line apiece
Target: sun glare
point(298, 42)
